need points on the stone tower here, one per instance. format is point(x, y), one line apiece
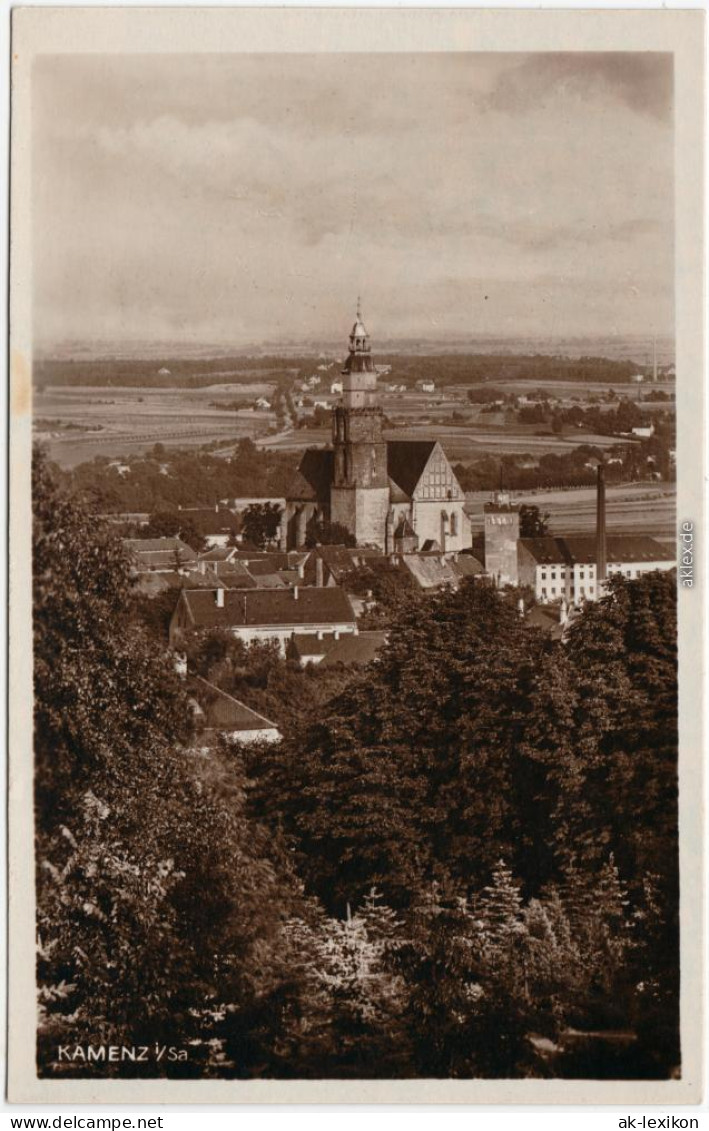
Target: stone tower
point(359, 496)
point(501, 538)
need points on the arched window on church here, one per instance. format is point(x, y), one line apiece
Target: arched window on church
point(454, 523)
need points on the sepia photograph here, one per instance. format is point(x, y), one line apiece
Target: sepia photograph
point(352, 385)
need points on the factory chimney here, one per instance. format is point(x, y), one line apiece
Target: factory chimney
point(600, 526)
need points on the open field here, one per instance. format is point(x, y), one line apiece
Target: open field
point(461, 442)
point(632, 508)
point(78, 422)
point(568, 390)
point(85, 421)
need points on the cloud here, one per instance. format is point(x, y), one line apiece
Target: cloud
point(642, 81)
point(587, 234)
point(254, 196)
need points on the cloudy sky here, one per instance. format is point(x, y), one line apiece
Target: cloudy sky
point(247, 198)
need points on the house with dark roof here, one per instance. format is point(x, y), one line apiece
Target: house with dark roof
point(432, 570)
point(263, 614)
point(271, 569)
point(368, 484)
point(328, 649)
point(566, 568)
point(154, 583)
point(217, 714)
point(216, 524)
point(572, 569)
point(159, 554)
point(552, 619)
point(355, 651)
point(215, 556)
point(330, 565)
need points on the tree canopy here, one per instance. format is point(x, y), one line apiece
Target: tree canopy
point(461, 860)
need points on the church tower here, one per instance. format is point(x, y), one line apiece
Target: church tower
point(359, 496)
point(501, 539)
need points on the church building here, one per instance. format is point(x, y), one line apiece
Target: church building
point(400, 496)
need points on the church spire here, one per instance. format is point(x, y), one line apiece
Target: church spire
point(359, 371)
point(359, 338)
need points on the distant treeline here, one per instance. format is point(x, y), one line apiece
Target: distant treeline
point(455, 369)
point(445, 369)
point(188, 373)
point(164, 479)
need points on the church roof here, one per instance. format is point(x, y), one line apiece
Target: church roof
point(314, 475)
point(404, 529)
point(359, 363)
point(396, 495)
point(406, 461)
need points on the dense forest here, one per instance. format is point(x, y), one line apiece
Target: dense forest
point(460, 862)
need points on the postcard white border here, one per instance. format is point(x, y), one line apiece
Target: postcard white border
point(230, 30)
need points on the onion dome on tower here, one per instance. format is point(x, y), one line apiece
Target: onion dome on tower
point(359, 359)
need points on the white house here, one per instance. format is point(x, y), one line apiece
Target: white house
point(557, 568)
